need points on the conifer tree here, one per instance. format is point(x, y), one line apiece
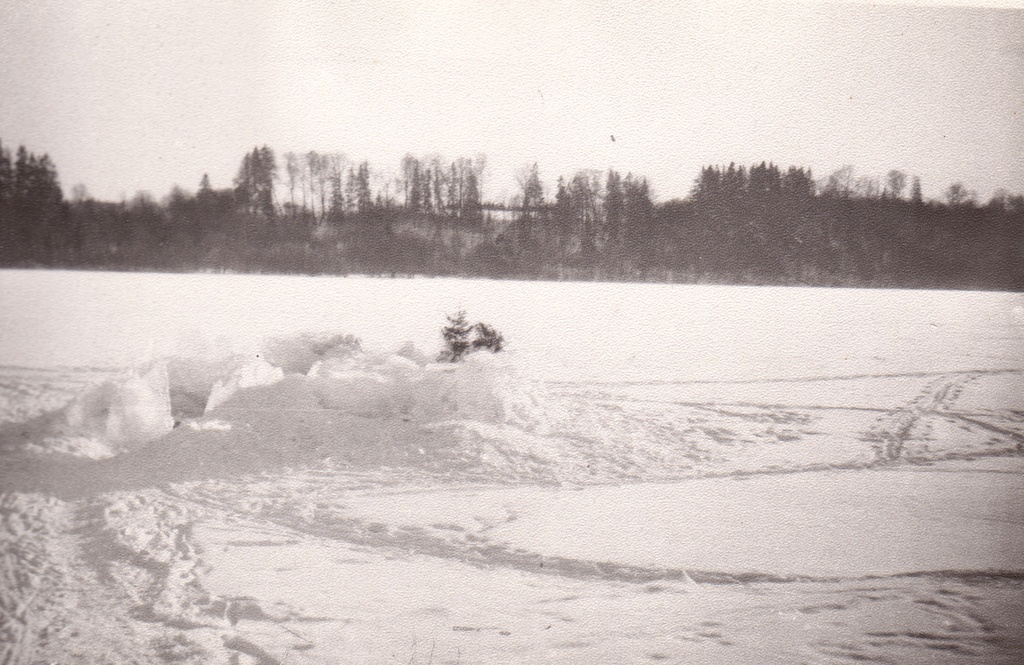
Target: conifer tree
point(471, 205)
point(915, 190)
point(456, 338)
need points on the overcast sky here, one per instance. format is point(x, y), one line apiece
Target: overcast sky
point(143, 94)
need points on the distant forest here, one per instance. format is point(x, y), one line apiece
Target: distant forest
point(320, 214)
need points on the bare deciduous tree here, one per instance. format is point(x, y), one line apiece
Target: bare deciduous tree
point(895, 183)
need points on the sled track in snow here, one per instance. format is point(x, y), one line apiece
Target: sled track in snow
point(891, 432)
point(888, 438)
point(719, 406)
point(799, 379)
point(1019, 438)
point(478, 552)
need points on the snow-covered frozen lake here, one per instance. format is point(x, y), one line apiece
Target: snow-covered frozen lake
point(650, 472)
point(559, 331)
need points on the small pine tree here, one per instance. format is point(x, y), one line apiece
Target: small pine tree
point(456, 338)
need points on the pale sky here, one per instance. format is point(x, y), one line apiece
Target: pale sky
point(142, 94)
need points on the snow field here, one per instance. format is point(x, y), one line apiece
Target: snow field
point(419, 609)
point(369, 574)
point(690, 474)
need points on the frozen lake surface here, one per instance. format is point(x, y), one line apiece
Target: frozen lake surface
point(561, 331)
point(649, 473)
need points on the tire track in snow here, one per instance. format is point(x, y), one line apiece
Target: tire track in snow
point(294, 519)
point(891, 432)
point(799, 379)
point(1016, 436)
point(960, 434)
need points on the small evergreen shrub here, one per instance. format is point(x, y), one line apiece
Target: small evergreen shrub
point(458, 342)
point(487, 338)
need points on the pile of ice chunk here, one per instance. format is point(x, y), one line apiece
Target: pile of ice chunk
point(256, 373)
point(304, 372)
point(103, 420)
point(484, 388)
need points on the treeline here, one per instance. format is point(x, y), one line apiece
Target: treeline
point(322, 214)
point(761, 224)
point(34, 220)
